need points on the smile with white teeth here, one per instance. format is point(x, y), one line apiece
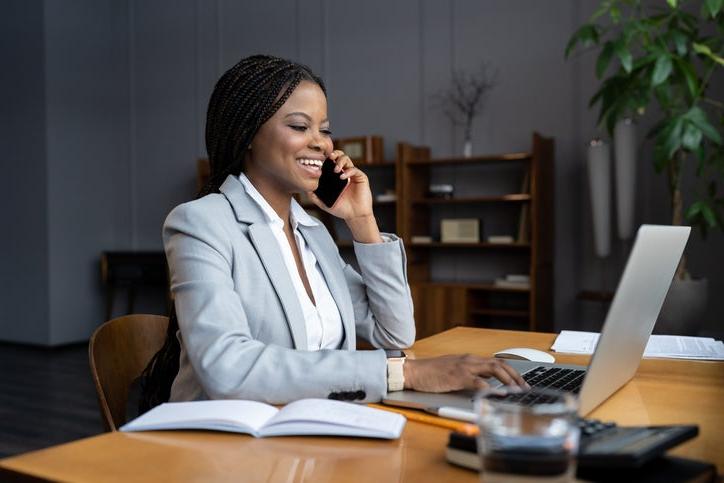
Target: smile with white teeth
point(313, 163)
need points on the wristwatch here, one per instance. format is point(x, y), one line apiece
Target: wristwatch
point(395, 373)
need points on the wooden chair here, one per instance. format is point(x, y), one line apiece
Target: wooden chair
point(119, 351)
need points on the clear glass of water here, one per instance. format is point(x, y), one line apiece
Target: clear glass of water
point(531, 438)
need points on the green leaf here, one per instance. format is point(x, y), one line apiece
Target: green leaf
point(691, 137)
point(687, 70)
point(644, 61)
point(672, 141)
point(603, 8)
point(672, 3)
point(603, 59)
point(708, 215)
point(662, 69)
point(680, 41)
point(693, 210)
point(586, 35)
point(713, 6)
point(704, 49)
point(697, 116)
point(615, 14)
point(701, 48)
point(624, 55)
point(668, 141)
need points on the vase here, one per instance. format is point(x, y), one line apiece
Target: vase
point(599, 182)
point(624, 147)
point(684, 307)
point(468, 148)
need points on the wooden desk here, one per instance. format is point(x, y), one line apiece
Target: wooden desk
point(663, 391)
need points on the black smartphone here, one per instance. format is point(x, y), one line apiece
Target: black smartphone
point(330, 185)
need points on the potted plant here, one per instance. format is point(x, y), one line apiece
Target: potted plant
point(665, 54)
point(464, 100)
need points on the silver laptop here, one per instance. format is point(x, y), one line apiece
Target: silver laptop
point(635, 307)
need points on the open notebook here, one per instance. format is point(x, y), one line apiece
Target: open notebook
point(321, 417)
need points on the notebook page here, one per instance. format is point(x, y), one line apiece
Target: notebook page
point(223, 415)
point(325, 416)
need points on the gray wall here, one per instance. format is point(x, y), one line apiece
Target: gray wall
point(127, 84)
point(87, 104)
point(24, 244)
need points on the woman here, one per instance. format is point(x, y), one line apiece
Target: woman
point(266, 308)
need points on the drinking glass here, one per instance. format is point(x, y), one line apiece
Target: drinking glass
point(531, 438)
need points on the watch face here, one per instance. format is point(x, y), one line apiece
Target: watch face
point(394, 353)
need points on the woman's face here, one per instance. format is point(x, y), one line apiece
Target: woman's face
point(288, 150)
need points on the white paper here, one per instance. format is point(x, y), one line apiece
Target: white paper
point(659, 346)
point(222, 415)
point(310, 416)
point(305, 417)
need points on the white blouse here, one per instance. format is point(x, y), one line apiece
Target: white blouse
point(323, 321)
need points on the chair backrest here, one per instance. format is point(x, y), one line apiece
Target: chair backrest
point(119, 351)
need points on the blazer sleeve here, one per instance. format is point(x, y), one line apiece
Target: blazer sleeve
point(227, 360)
point(381, 295)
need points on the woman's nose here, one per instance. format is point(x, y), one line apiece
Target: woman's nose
point(317, 142)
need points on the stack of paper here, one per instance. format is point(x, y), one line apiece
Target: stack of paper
point(662, 346)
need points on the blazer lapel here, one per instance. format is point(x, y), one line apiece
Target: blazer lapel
point(247, 211)
point(327, 257)
point(268, 249)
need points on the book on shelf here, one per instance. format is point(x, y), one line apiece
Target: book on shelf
point(319, 417)
point(519, 278)
point(515, 283)
point(421, 239)
point(501, 239)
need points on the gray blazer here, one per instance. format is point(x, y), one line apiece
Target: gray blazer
point(242, 331)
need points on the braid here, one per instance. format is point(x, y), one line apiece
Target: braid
point(244, 98)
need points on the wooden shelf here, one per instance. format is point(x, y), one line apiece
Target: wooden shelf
point(501, 313)
point(529, 210)
point(376, 164)
point(502, 246)
point(493, 158)
point(514, 197)
point(481, 286)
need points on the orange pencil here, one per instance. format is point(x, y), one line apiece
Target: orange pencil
point(420, 417)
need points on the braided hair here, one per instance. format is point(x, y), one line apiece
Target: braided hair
point(244, 98)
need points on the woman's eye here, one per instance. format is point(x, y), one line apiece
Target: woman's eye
point(326, 132)
point(299, 128)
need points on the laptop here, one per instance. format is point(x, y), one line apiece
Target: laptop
point(635, 307)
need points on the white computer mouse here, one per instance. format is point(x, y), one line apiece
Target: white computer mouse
point(525, 354)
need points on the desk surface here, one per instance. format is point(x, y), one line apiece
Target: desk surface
point(662, 392)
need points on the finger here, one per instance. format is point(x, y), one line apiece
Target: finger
point(502, 375)
point(343, 162)
point(515, 375)
point(334, 155)
point(356, 172)
point(480, 383)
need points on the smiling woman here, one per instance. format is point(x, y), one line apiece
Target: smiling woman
point(264, 306)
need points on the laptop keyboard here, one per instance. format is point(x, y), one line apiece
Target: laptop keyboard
point(569, 380)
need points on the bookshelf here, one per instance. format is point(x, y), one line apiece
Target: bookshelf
point(465, 283)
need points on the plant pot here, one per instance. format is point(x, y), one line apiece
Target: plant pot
point(468, 148)
point(684, 307)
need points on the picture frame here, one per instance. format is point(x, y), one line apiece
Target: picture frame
point(362, 149)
